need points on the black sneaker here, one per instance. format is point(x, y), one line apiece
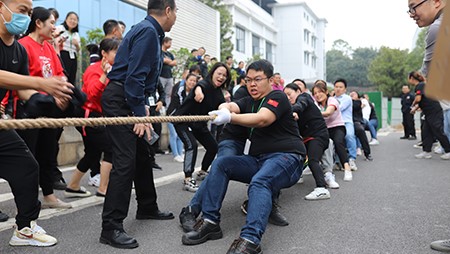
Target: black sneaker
point(203, 231)
point(412, 138)
point(404, 137)
point(3, 217)
point(59, 185)
point(369, 158)
point(276, 218)
point(243, 246)
point(187, 218)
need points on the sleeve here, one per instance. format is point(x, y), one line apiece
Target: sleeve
point(24, 66)
point(301, 104)
point(333, 102)
point(91, 83)
point(345, 103)
point(242, 104)
point(278, 103)
point(162, 93)
point(419, 89)
point(140, 62)
point(59, 70)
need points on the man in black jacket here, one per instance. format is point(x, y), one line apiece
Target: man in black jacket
point(407, 99)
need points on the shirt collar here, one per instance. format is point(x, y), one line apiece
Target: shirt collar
point(157, 26)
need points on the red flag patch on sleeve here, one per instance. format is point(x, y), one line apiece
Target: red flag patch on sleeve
point(273, 103)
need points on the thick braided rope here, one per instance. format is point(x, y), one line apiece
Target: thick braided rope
point(61, 122)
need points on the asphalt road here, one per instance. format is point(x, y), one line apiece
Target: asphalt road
point(395, 204)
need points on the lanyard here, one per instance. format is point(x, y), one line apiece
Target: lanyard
point(259, 107)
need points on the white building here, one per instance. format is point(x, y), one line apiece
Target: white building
point(290, 35)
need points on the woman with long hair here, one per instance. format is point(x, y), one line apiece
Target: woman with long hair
point(94, 138)
point(206, 96)
point(70, 45)
point(433, 125)
point(43, 62)
point(329, 106)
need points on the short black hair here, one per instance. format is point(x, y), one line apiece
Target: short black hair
point(240, 78)
point(194, 67)
point(109, 26)
point(292, 86)
point(167, 39)
point(122, 23)
point(341, 80)
point(75, 29)
point(228, 57)
point(262, 65)
point(193, 50)
point(158, 6)
point(39, 13)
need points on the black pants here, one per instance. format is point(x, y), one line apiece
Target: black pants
point(131, 162)
point(43, 143)
point(21, 170)
point(337, 134)
point(189, 139)
point(96, 143)
point(315, 148)
point(360, 133)
point(70, 65)
point(408, 124)
point(433, 127)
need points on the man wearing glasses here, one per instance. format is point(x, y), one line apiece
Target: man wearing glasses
point(429, 13)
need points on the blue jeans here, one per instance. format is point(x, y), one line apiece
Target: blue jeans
point(175, 142)
point(447, 123)
point(371, 126)
point(227, 147)
point(350, 140)
point(266, 174)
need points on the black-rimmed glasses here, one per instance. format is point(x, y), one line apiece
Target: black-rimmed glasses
point(412, 10)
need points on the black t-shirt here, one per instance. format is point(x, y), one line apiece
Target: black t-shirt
point(357, 111)
point(373, 112)
point(241, 92)
point(426, 104)
point(407, 100)
point(310, 120)
point(213, 97)
point(166, 71)
point(13, 58)
point(282, 135)
point(234, 131)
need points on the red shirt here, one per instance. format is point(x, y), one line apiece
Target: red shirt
point(93, 87)
point(42, 58)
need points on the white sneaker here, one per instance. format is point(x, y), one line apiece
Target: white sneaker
point(34, 236)
point(439, 150)
point(300, 181)
point(358, 151)
point(445, 156)
point(352, 164)
point(348, 176)
point(318, 193)
point(190, 185)
point(178, 158)
point(94, 181)
point(306, 171)
point(374, 142)
point(331, 181)
point(423, 155)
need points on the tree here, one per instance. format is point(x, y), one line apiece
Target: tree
point(361, 60)
point(338, 64)
point(342, 46)
point(388, 71)
point(226, 24)
point(181, 55)
point(415, 57)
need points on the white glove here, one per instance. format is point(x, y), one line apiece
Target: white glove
point(223, 116)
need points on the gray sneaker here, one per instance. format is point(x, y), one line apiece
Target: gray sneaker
point(352, 164)
point(441, 245)
point(190, 185)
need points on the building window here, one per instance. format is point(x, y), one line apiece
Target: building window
point(269, 52)
point(306, 36)
point(313, 41)
point(255, 45)
point(306, 57)
point(240, 39)
point(314, 61)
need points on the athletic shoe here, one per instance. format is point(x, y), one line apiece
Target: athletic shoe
point(358, 151)
point(81, 193)
point(369, 158)
point(445, 156)
point(301, 180)
point(438, 150)
point(423, 155)
point(306, 171)
point(352, 163)
point(94, 181)
point(56, 204)
point(318, 193)
point(404, 137)
point(348, 176)
point(412, 138)
point(331, 181)
point(418, 145)
point(441, 245)
point(190, 185)
point(34, 236)
point(374, 142)
point(201, 175)
point(178, 158)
